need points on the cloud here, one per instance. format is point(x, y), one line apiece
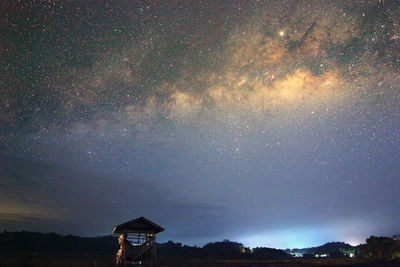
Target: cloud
point(45, 197)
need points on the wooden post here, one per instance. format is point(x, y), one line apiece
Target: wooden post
point(124, 259)
point(155, 252)
point(124, 253)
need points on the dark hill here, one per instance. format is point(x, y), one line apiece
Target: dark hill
point(52, 243)
point(333, 249)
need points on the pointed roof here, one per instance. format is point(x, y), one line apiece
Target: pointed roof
point(138, 225)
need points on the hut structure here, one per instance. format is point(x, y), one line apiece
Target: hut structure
point(137, 242)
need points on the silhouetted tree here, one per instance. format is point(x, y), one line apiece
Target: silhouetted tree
point(382, 247)
point(224, 249)
point(269, 253)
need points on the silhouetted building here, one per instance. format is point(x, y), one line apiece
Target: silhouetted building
point(137, 242)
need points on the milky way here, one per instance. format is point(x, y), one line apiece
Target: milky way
point(272, 123)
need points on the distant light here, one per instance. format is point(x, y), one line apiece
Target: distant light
point(281, 33)
point(353, 242)
point(296, 237)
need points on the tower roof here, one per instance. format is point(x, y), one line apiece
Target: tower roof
point(138, 225)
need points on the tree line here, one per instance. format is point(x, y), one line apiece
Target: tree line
point(384, 248)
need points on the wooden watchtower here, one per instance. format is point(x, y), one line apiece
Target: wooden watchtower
point(137, 242)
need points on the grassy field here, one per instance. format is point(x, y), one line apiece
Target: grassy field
point(105, 261)
point(281, 263)
point(53, 261)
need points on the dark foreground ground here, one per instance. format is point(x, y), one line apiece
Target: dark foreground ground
point(106, 261)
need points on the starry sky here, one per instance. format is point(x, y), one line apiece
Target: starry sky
point(271, 123)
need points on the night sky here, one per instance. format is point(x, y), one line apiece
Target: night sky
point(271, 123)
